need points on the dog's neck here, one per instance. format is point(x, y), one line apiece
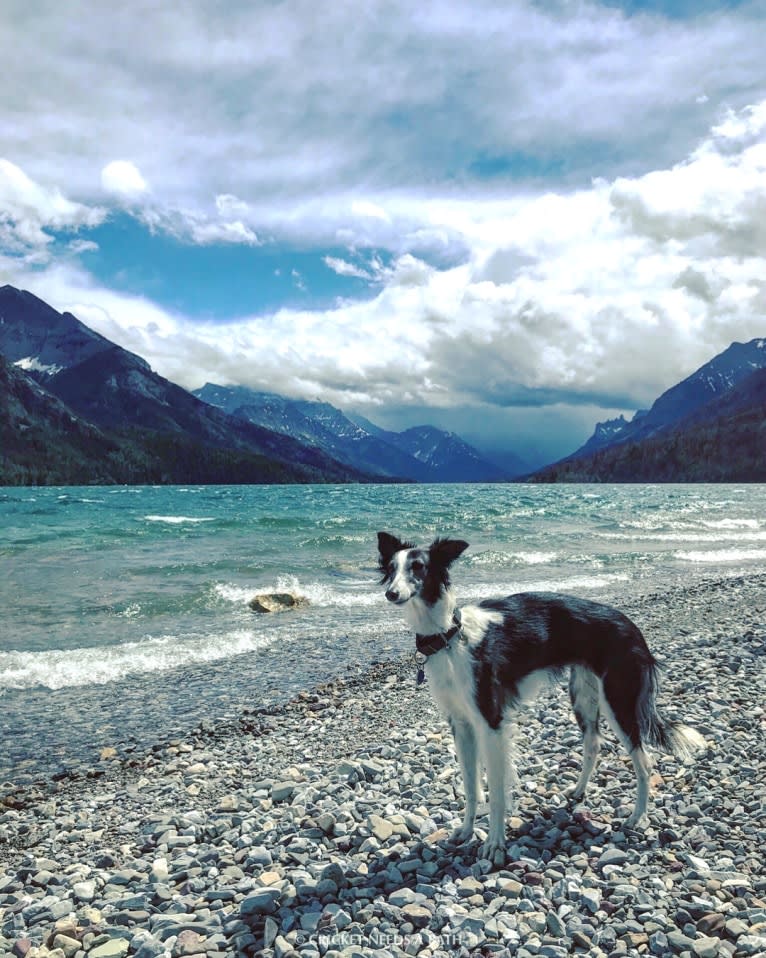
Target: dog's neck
point(431, 619)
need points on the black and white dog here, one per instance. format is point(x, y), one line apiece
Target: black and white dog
point(483, 661)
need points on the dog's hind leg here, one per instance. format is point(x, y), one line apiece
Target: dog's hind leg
point(465, 746)
point(585, 694)
point(626, 703)
point(495, 749)
point(642, 767)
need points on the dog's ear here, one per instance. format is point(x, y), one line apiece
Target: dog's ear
point(443, 552)
point(388, 545)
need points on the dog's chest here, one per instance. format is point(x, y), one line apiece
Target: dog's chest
point(451, 672)
point(451, 681)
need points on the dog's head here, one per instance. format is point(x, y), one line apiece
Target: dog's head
point(409, 572)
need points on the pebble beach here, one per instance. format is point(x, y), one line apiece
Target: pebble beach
point(320, 827)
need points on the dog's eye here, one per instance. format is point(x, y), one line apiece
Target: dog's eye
point(417, 566)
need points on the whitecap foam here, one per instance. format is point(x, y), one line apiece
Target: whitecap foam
point(318, 593)
point(723, 555)
point(493, 557)
point(731, 523)
point(130, 611)
point(176, 520)
point(553, 585)
point(236, 594)
point(99, 665)
point(723, 534)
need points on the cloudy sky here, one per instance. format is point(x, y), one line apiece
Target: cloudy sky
point(510, 219)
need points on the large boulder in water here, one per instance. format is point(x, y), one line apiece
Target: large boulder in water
point(277, 602)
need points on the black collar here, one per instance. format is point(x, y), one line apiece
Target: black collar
point(431, 644)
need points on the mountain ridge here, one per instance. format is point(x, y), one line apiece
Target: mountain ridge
point(711, 380)
point(421, 453)
point(165, 433)
point(721, 440)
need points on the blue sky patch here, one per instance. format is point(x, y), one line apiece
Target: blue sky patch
point(219, 281)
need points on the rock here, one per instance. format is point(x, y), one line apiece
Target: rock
point(591, 899)
point(262, 901)
point(70, 946)
point(380, 828)
point(679, 941)
point(282, 790)
point(84, 890)
point(706, 947)
point(189, 943)
point(270, 932)
point(736, 927)
point(402, 897)
point(710, 923)
point(277, 602)
point(419, 915)
point(751, 945)
point(114, 948)
point(612, 856)
point(555, 925)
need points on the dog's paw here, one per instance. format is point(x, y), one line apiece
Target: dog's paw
point(494, 851)
point(461, 835)
point(635, 821)
point(574, 794)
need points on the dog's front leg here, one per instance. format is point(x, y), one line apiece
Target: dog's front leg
point(465, 746)
point(496, 755)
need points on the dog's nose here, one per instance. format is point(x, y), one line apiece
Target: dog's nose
point(392, 595)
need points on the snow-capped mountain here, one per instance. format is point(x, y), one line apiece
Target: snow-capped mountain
point(40, 340)
point(423, 453)
point(720, 441)
point(163, 433)
point(709, 382)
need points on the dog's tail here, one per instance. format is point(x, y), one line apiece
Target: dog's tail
point(673, 738)
point(677, 739)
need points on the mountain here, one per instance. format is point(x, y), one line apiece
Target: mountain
point(446, 454)
point(423, 453)
point(710, 381)
point(40, 436)
point(722, 440)
point(151, 430)
point(40, 340)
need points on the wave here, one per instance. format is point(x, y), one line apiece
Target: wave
point(318, 593)
point(723, 555)
point(493, 557)
point(551, 585)
point(100, 665)
point(177, 520)
point(732, 523)
point(67, 500)
point(725, 534)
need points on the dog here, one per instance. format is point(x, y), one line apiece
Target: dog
point(484, 661)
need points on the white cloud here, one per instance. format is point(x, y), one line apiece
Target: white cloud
point(123, 179)
point(600, 297)
point(417, 100)
point(82, 246)
point(29, 211)
point(343, 268)
point(231, 232)
point(443, 133)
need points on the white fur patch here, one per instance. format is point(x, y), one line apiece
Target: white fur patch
point(531, 685)
point(476, 621)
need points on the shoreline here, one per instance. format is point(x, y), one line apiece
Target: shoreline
point(316, 827)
